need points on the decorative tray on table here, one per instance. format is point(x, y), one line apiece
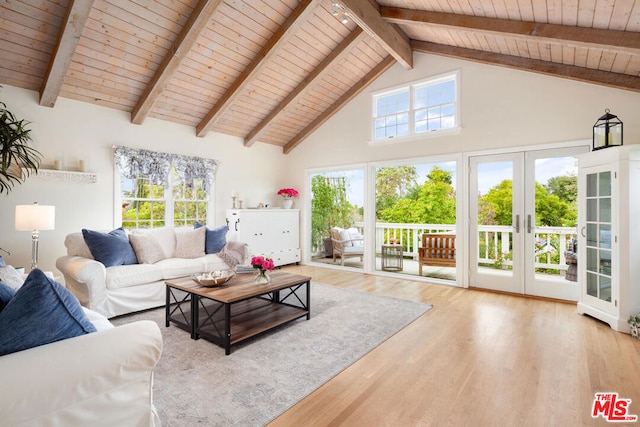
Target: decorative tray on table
point(213, 278)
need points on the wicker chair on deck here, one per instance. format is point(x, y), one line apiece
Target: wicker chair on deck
point(345, 245)
point(438, 249)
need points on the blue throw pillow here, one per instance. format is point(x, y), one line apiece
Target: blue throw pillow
point(6, 293)
point(41, 312)
point(215, 239)
point(111, 248)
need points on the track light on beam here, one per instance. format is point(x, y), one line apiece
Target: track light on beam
point(339, 12)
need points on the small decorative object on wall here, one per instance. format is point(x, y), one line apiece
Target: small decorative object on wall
point(634, 322)
point(17, 158)
point(288, 194)
point(607, 132)
point(262, 265)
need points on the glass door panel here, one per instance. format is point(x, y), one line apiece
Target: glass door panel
point(412, 200)
point(523, 214)
point(551, 216)
point(598, 239)
point(496, 221)
point(337, 201)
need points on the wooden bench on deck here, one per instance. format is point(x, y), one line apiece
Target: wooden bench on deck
point(438, 249)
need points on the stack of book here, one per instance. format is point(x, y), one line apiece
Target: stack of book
point(240, 269)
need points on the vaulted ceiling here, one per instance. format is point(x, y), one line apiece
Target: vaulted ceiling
point(272, 71)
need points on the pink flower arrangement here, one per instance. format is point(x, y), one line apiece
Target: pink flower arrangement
point(263, 264)
point(288, 193)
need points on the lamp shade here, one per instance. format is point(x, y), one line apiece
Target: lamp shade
point(35, 217)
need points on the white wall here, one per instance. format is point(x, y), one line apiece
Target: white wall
point(73, 131)
point(500, 108)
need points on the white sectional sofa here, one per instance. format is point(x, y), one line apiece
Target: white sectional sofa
point(99, 379)
point(162, 254)
point(64, 365)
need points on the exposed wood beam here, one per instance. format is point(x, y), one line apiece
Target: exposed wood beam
point(74, 20)
point(346, 46)
point(341, 102)
point(367, 15)
point(186, 39)
point(288, 30)
point(612, 40)
point(586, 75)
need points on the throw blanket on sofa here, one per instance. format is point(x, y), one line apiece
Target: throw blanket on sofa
point(233, 253)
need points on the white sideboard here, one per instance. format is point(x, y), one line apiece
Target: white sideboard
point(273, 233)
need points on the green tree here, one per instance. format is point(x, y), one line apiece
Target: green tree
point(495, 207)
point(553, 210)
point(432, 202)
point(565, 187)
point(329, 207)
point(392, 184)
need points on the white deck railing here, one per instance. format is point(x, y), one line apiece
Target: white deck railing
point(495, 241)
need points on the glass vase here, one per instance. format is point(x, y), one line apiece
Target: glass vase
point(262, 277)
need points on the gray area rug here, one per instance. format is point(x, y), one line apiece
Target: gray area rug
point(196, 384)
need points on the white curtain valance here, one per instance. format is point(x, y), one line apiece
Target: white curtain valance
point(133, 162)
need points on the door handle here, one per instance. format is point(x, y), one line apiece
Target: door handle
point(517, 223)
point(582, 231)
point(529, 224)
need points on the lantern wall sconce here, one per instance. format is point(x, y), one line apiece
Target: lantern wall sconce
point(607, 132)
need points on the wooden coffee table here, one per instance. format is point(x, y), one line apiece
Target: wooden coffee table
point(239, 309)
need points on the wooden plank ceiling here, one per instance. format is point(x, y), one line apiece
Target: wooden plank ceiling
point(272, 71)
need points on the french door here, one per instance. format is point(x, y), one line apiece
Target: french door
point(519, 215)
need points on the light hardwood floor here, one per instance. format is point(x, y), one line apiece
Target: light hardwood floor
point(475, 359)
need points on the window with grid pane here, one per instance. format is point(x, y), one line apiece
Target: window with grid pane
point(145, 205)
point(189, 204)
point(420, 107)
point(435, 106)
point(392, 115)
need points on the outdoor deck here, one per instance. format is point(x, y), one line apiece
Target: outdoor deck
point(495, 241)
point(410, 267)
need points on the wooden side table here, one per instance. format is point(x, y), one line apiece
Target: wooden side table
point(391, 257)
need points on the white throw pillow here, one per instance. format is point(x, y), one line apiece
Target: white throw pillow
point(355, 235)
point(76, 246)
point(147, 248)
point(344, 235)
point(10, 276)
point(99, 321)
point(164, 236)
point(190, 242)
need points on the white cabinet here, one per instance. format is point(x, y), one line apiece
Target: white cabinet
point(609, 234)
point(268, 232)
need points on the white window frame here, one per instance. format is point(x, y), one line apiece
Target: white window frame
point(411, 88)
point(168, 200)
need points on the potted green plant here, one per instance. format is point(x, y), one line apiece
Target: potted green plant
point(634, 322)
point(17, 158)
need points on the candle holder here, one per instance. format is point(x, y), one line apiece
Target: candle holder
point(239, 204)
point(234, 202)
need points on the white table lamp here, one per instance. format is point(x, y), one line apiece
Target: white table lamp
point(35, 218)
